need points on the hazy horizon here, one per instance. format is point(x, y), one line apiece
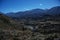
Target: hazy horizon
point(23, 5)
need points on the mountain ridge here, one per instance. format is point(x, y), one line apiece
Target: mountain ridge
point(35, 13)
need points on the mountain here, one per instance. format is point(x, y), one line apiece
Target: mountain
point(54, 10)
point(27, 14)
point(35, 13)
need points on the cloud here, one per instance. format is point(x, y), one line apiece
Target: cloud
point(41, 4)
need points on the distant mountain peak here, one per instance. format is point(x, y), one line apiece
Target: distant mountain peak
point(56, 7)
point(54, 10)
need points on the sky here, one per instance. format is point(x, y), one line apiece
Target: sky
point(22, 5)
